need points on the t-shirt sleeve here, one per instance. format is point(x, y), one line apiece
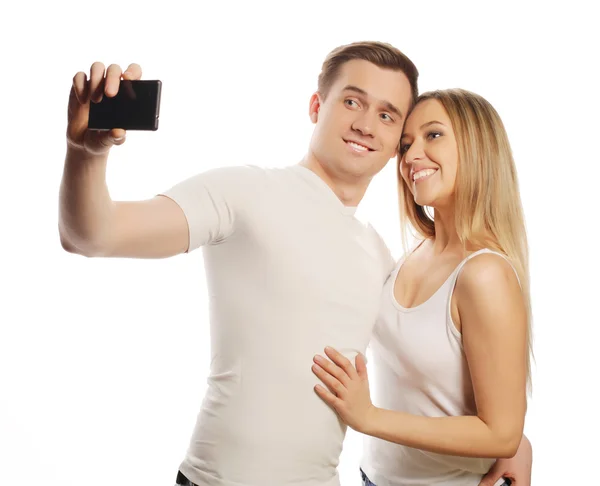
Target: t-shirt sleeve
point(387, 259)
point(212, 202)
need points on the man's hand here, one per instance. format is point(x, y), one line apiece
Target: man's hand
point(517, 468)
point(85, 91)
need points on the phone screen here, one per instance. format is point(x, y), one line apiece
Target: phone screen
point(135, 107)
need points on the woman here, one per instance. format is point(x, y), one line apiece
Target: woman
point(451, 347)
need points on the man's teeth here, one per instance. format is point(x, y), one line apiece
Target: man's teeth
point(422, 173)
point(358, 147)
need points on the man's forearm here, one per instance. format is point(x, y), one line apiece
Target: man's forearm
point(85, 206)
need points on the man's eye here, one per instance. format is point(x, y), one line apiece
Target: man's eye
point(386, 117)
point(351, 103)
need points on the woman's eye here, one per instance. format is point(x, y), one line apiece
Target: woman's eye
point(404, 148)
point(432, 135)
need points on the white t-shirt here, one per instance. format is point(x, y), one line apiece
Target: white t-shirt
point(290, 270)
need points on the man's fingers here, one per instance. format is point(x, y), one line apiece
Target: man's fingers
point(112, 81)
point(81, 87)
point(104, 82)
point(101, 138)
point(100, 141)
point(118, 136)
point(74, 105)
point(133, 71)
point(96, 82)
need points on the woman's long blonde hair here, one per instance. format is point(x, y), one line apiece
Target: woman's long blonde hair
point(488, 209)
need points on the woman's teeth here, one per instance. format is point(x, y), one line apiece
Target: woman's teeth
point(423, 173)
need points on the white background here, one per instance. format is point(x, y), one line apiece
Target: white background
point(103, 363)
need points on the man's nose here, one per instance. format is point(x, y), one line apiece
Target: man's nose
point(364, 123)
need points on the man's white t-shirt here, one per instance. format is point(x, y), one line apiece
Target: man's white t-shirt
point(290, 270)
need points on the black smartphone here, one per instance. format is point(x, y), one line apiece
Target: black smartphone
point(135, 107)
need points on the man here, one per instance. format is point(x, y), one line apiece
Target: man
point(289, 268)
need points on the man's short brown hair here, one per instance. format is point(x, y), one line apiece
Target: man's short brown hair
point(379, 53)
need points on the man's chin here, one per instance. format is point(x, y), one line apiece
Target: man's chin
point(361, 169)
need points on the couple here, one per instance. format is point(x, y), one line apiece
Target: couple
point(299, 287)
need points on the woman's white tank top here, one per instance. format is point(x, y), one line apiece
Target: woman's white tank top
point(419, 367)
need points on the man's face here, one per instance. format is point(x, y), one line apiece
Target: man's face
point(359, 122)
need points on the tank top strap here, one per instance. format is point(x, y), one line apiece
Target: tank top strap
point(452, 284)
point(458, 269)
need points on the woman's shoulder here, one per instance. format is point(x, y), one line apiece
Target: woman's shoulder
point(486, 272)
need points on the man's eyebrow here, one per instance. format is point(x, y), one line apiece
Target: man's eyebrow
point(358, 90)
point(387, 104)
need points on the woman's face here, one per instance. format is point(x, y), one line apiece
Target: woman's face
point(429, 154)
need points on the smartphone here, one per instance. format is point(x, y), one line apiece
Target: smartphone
point(135, 107)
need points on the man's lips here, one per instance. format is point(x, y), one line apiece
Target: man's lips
point(359, 145)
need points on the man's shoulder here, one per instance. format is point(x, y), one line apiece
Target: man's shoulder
point(236, 178)
point(386, 255)
point(377, 237)
point(248, 171)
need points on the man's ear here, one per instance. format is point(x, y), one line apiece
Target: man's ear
point(314, 106)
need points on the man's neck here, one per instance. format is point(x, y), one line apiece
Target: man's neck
point(350, 193)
